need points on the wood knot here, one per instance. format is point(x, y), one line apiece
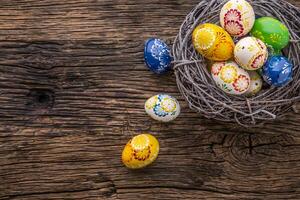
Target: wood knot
point(41, 98)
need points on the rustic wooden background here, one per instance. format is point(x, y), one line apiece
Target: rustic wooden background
point(72, 89)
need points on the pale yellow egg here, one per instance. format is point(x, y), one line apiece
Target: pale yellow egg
point(255, 83)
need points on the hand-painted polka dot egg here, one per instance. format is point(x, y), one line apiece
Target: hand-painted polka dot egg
point(230, 77)
point(250, 53)
point(278, 71)
point(237, 17)
point(157, 56)
point(162, 107)
point(272, 32)
point(140, 151)
point(255, 83)
point(213, 42)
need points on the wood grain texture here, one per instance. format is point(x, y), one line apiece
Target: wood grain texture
point(73, 86)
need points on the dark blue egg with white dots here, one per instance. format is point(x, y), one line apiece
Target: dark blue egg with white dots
point(278, 71)
point(157, 56)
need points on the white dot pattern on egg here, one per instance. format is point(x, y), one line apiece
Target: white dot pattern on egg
point(250, 53)
point(237, 17)
point(230, 77)
point(255, 83)
point(162, 107)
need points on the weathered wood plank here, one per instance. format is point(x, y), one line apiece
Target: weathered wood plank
point(73, 84)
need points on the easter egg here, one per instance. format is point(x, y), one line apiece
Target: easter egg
point(255, 83)
point(272, 32)
point(230, 77)
point(250, 53)
point(162, 107)
point(140, 151)
point(237, 17)
point(213, 42)
point(278, 71)
point(157, 56)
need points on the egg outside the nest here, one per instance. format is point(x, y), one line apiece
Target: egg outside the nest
point(237, 17)
point(278, 71)
point(140, 151)
point(230, 77)
point(213, 42)
point(250, 53)
point(162, 107)
point(157, 56)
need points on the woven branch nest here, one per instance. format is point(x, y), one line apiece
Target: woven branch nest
point(202, 94)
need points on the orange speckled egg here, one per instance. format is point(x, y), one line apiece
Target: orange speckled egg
point(140, 151)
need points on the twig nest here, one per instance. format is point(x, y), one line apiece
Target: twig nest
point(140, 151)
point(198, 86)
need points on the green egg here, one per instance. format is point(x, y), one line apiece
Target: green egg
point(272, 32)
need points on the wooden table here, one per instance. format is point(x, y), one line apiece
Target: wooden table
point(73, 86)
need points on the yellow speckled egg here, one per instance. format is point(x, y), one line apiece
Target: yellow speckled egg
point(255, 83)
point(140, 151)
point(213, 42)
point(250, 53)
point(237, 17)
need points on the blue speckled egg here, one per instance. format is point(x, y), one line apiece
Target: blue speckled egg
point(157, 56)
point(162, 107)
point(278, 71)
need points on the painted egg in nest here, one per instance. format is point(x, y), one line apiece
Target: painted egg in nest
point(140, 151)
point(237, 17)
point(250, 53)
point(162, 107)
point(278, 71)
point(271, 31)
point(256, 83)
point(230, 77)
point(213, 42)
point(157, 56)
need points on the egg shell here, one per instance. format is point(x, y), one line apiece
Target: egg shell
point(162, 107)
point(255, 83)
point(157, 56)
point(250, 53)
point(278, 71)
point(237, 17)
point(140, 151)
point(213, 42)
point(230, 77)
point(271, 31)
